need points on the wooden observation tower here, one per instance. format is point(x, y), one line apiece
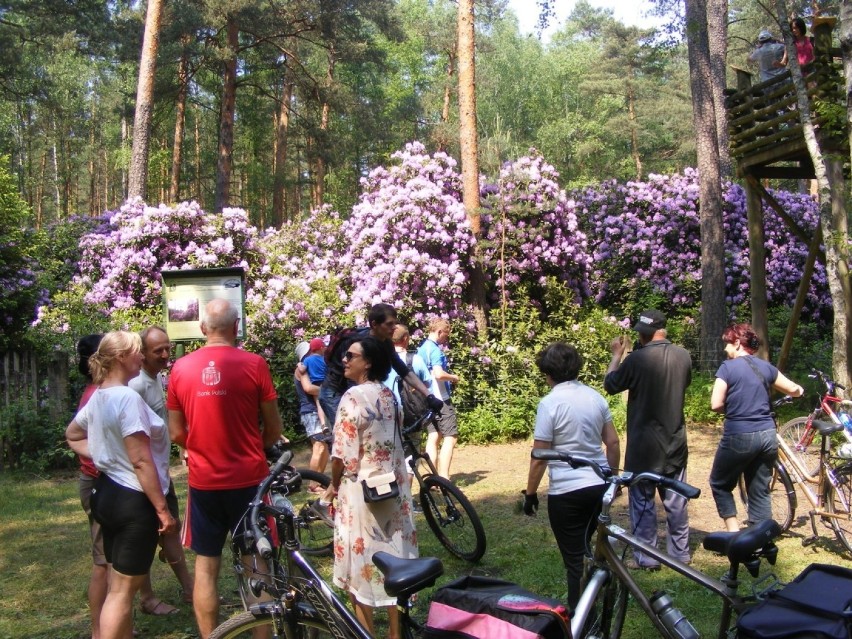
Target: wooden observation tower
point(767, 142)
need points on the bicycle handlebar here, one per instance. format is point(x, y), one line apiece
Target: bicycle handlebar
point(830, 384)
point(417, 425)
point(626, 479)
point(264, 547)
point(787, 399)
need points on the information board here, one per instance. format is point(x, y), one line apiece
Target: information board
point(186, 293)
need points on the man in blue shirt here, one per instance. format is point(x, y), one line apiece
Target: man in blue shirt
point(447, 422)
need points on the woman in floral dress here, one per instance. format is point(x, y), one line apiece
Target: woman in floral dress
point(367, 443)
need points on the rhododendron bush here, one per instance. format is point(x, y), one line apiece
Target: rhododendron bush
point(408, 239)
point(531, 231)
point(647, 235)
point(408, 242)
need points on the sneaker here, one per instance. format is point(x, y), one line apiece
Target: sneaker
point(323, 511)
point(632, 564)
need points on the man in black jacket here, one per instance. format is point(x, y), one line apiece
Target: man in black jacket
point(656, 376)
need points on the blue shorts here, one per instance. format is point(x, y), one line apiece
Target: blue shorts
point(313, 427)
point(215, 513)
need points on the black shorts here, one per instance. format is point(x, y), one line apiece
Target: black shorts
point(215, 513)
point(87, 484)
point(130, 526)
point(172, 501)
point(447, 422)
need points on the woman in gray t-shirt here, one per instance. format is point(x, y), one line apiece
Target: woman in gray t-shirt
point(575, 419)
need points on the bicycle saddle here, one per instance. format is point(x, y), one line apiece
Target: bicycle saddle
point(742, 545)
point(404, 577)
point(826, 428)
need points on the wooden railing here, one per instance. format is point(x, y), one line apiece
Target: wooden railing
point(763, 119)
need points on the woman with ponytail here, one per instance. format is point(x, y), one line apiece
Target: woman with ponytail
point(129, 444)
point(748, 446)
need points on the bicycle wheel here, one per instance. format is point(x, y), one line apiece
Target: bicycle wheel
point(795, 434)
point(782, 494)
point(452, 518)
point(245, 624)
point(606, 620)
point(316, 537)
point(838, 500)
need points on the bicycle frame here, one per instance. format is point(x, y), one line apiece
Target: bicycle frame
point(825, 474)
point(413, 451)
point(609, 565)
point(828, 401)
point(320, 604)
point(299, 595)
point(798, 473)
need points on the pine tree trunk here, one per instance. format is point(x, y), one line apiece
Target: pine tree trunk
point(470, 154)
point(282, 125)
point(138, 178)
point(443, 142)
point(180, 121)
point(226, 120)
point(717, 34)
point(832, 205)
point(634, 129)
point(710, 186)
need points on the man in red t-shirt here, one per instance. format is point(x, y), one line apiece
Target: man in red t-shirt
point(215, 397)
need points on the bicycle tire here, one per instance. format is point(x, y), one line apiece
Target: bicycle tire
point(609, 611)
point(452, 518)
point(316, 537)
point(782, 495)
point(808, 457)
point(838, 499)
point(242, 625)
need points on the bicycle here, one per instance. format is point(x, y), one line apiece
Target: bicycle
point(449, 514)
point(799, 432)
point(299, 603)
point(316, 536)
point(832, 498)
point(608, 583)
point(782, 492)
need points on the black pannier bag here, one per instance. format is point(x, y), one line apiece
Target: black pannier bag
point(483, 608)
point(815, 605)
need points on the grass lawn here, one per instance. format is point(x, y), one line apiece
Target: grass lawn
point(45, 561)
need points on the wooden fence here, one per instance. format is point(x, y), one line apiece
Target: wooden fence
point(28, 382)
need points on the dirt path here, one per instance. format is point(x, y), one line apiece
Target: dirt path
point(497, 470)
point(502, 469)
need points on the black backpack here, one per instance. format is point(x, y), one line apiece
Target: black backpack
point(815, 605)
point(413, 403)
point(341, 338)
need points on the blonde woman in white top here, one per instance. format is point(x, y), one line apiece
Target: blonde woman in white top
point(129, 445)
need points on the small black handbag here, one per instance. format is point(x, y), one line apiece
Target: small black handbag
point(380, 487)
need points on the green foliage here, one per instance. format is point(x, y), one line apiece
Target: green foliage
point(811, 348)
point(18, 279)
point(32, 441)
point(833, 114)
point(500, 385)
point(696, 407)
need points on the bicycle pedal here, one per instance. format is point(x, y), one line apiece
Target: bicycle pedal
point(807, 541)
